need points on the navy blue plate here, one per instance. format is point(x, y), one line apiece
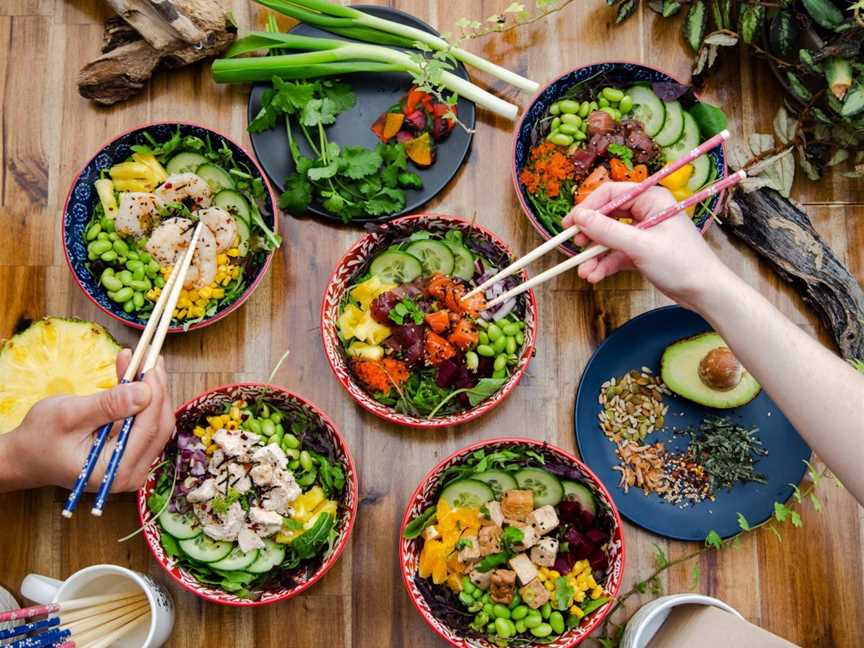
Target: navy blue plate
point(619, 74)
point(375, 93)
point(82, 199)
point(640, 342)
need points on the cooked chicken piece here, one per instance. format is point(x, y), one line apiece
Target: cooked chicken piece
point(495, 514)
point(283, 491)
point(221, 527)
point(524, 568)
point(249, 540)
point(480, 579)
point(265, 523)
point(502, 584)
point(272, 455)
point(236, 443)
point(517, 504)
point(204, 492)
point(262, 474)
point(490, 540)
point(470, 550)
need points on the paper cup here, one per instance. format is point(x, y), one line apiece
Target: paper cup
point(643, 625)
point(109, 579)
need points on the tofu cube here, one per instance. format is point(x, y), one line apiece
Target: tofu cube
point(544, 519)
point(470, 550)
point(496, 517)
point(544, 552)
point(517, 504)
point(502, 585)
point(534, 594)
point(490, 540)
point(480, 579)
point(524, 568)
point(529, 537)
point(431, 532)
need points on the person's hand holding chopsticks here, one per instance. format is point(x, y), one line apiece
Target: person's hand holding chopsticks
point(51, 443)
point(672, 255)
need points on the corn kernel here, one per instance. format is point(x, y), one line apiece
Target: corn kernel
point(577, 611)
point(235, 413)
point(204, 293)
point(553, 573)
point(211, 449)
point(231, 425)
point(198, 431)
point(222, 259)
point(579, 597)
point(596, 593)
point(235, 271)
point(234, 252)
point(550, 586)
point(218, 293)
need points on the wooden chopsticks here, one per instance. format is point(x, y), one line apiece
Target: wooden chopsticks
point(596, 250)
point(607, 209)
point(151, 342)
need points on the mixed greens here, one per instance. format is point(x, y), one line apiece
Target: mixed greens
point(249, 498)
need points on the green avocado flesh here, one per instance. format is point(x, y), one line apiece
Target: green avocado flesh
point(679, 368)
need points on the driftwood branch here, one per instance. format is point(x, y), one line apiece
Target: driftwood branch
point(152, 34)
point(783, 234)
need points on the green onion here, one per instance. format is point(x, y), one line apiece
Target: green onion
point(336, 18)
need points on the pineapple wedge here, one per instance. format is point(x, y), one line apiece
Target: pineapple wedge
point(50, 357)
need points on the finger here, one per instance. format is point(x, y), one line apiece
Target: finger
point(587, 268)
point(122, 361)
point(608, 266)
point(113, 404)
point(607, 192)
point(607, 231)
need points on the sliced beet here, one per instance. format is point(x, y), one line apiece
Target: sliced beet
point(570, 511)
point(416, 121)
point(564, 563)
point(404, 136)
point(597, 536)
point(598, 560)
point(448, 371)
point(382, 305)
point(440, 129)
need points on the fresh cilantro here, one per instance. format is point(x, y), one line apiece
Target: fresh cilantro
point(297, 194)
point(511, 536)
point(406, 308)
point(463, 543)
point(360, 162)
point(410, 180)
point(564, 593)
point(221, 503)
point(622, 152)
point(484, 511)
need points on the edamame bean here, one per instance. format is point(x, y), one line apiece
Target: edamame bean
point(253, 425)
point(546, 610)
point(108, 256)
point(483, 337)
point(472, 361)
point(516, 600)
point(584, 109)
point(138, 275)
point(466, 599)
point(482, 323)
point(494, 332)
point(276, 416)
point(107, 224)
point(612, 94)
point(306, 460)
point(487, 597)
point(159, 282)
point(293, 465)
point(264, 411)
point(278, 435)
point(626, 104)
point(291, 453)
point(152, 268)
point(556, 123)
point(500, 344)
point(574, 120)
point(129, 306)
point(542, 630)
point(568, 129)
point(519, 612)
point(569, 106)
point(468, 586)
point(132, 255)
point(125, 276)
point(481, 619)
point(120, 247)
point(291, 441)
point(93, 231)
point(114, 236)
point(533, 619)
point(579, 136)
point(308, 478)
point(520, 626)
point(556, 620)
point(499, 375)
point(144, 257)
point(555, 108)
point(143, 285)
point(102, 236)
point(511, 346)
point(138, 299)
point(500, 362)
point(503, 627)
point(611, 112)
point(561, 139)
point(490, 629)
point(99, 246)
point(593, 106)
point(501, 611)
point(111, 283)
point(603, 102)
point(485, 350)
point(134, 265)
point(520, 338)
point(123, 295)
point(487, 608)
point(268, 428)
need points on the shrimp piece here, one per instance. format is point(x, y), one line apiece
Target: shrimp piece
point(202, 272)
point(222, 224)
point(138, 211)
point(182, 186)
point(171, 239)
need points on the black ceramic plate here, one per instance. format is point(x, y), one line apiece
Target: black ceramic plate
point(640, 342)
point(375, 94)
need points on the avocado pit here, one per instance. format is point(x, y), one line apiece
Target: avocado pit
point(719, 369)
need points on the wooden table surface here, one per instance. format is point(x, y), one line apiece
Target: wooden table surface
point(808, 588)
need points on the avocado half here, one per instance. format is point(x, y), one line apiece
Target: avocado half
point(702, 369)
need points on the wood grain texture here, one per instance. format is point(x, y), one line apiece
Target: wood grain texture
point(809, 588)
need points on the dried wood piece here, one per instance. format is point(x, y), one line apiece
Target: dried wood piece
point(783, 234)
point(161, 23)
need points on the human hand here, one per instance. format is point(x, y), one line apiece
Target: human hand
point(53, 440)
point(672, 255)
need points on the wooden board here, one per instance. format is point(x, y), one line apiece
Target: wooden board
point(809, 588)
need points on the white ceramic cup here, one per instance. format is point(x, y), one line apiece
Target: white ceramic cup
point(643, 625)
point(109, 579)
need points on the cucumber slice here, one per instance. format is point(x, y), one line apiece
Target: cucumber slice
point(467, 493)
point(235, 204)
point(648, 109)
point(186, 162)
point(217, 177)
point(395, 266)
point(547, 489)
point(463, 261)
point(673, 125)
point(236, 560)
point(687, 142)
point(180, 525)
point(579, 492)
point(203, 549)
point(701, 172)
point(434, 255)
point(269, 557)
point(498, 480)
point(243, 234)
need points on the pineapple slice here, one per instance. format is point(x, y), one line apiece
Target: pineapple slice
point(50, 357)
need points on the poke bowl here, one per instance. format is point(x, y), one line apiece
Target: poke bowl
point(511, 542)
point(404, 337)
point(131, 210)
point(253, 499)
point(611, 121)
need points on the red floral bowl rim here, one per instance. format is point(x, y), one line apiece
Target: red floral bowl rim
point(617, 535)
point(225, 598)
point(207, 321)
point(342, 373)
point(526, 209)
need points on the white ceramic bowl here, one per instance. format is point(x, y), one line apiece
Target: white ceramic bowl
point(647, 621)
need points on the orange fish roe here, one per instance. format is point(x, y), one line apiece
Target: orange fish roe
point(381, 375)
point(548, 166)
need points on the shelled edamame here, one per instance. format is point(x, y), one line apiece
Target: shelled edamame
point(569, 125)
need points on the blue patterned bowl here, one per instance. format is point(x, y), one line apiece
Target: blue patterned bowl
point(82, 199)
point(616, 73)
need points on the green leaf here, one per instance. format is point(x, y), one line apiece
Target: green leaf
point(563, 594)
point(321, 172)
point(626, 9)
point(416, 526)
point(406, 308)
point(781, 512)
point(660, 559)
point(340, 94)
point(360, 162)
point(511, 536)
point(169, 544)
point(484, 389)
point(695, 24)
point(410, 181)
point(386, 201)
point(318, 111)
point(297, 194)
point(796, 519)
point(714, 540)
point(492, 561)
point(710, 119)
point(798, 88)
point(595, 604)
point(749, 22)
point(623, 152)
point(742, 522)
point(334, 202)
point(824, 13)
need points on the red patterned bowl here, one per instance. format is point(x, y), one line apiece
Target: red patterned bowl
point(211, 402)
point(356, 262)
point(426, 494)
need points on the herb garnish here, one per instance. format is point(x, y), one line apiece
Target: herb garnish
point(406, 307)
point(727, 450)
point(624, 153)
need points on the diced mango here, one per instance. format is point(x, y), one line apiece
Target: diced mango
point(365, 351)
point(365, 292)
point(678, 179)
point(105, 189)
point(148, 159)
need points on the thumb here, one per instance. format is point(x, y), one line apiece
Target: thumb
point(111, 405)
point(604, 230)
